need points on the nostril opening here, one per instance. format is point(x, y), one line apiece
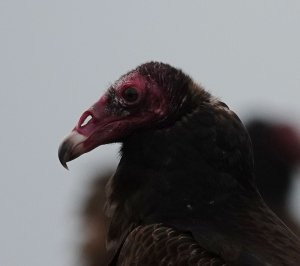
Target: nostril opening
point(85, 120)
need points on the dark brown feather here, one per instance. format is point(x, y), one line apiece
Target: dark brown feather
point(159, 245)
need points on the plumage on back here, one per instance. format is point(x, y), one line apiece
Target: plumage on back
point(156, 244)
point(186, 164)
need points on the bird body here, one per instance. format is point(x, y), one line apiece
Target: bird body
point(184, 190)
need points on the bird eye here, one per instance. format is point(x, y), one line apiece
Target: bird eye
point(130, 94)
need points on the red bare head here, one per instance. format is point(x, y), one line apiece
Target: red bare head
point(143, 98)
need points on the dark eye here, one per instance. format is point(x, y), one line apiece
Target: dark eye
point(130, 94)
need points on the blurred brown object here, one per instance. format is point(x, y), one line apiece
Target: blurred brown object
point(276, 150)
point(93, 250)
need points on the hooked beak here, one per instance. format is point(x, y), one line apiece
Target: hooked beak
point(96, 126)
point(70, 148)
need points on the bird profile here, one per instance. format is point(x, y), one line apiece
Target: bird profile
point(184, 192)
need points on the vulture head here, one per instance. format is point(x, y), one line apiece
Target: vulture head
point(161, 111)
point(151, 96)
point(158, 100)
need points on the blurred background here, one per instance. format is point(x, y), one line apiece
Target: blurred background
point(58, 57)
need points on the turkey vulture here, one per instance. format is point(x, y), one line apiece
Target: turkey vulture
point(184, 190)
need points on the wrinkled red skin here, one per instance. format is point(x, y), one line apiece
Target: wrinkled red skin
point(113, 119)
point(106, 127)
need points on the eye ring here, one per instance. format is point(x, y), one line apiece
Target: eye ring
point(130, 95)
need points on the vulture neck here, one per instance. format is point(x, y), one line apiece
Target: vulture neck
point(196, 176)
point(186, 169)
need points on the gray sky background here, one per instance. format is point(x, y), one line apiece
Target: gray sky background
point(56, 59)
